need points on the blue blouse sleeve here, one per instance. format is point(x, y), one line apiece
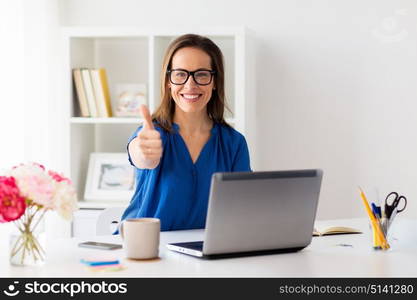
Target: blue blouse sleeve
point(241, 162)
point(128, 142)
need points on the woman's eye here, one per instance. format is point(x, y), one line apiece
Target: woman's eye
point(202, 74)
point(181, 74)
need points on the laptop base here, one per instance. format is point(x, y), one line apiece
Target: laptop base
point(196, 249)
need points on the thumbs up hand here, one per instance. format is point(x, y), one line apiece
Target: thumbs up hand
point(144, 111)
point(146, 148)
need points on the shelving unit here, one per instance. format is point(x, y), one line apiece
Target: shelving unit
point(137, 121)
point(134, 55)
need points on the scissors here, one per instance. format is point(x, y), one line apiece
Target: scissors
point(392, 204)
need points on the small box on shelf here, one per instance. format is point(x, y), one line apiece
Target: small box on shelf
point(129, 98)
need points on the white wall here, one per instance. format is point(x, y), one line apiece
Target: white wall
point(29, 82)
point(43, 66)
point(12, 100)
point(11, 79)
point(336, 84)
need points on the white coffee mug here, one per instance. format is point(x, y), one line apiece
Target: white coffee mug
point(141, 237)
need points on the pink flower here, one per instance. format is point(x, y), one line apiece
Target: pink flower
point(35, 184)
point(34, 163)
point(58, 177)
point(12, 204)
point(40, 188)
point(39, 165)
point(65, 199)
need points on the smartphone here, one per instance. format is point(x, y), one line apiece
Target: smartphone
point(98, 245)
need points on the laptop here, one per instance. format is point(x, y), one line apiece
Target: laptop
point(255, 213)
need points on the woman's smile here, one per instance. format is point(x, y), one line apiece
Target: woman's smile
point(190, 98)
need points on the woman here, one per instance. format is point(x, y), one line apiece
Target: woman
point(186, 140)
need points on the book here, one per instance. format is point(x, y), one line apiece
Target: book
point(89, 91)
point(101, 92)
point(79, 88)
point(333, 230)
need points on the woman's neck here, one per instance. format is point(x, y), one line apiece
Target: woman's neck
point(192, 123)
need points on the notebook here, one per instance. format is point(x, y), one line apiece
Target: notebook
point(334, 230)
point(252, 213)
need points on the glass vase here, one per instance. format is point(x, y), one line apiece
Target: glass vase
point(27, 245)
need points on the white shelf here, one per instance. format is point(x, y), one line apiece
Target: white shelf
point(101, 204)
point(122, 31)
point(79, 120)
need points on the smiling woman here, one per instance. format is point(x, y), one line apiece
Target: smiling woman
point(191, 95)
point(186, 140)
point(189, 54)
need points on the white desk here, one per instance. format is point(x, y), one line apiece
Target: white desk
point(323, 258)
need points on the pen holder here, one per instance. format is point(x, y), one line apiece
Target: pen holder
point(381, 218)
point(379, 241)
point(379, 237)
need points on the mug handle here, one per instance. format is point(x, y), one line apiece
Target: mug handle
point(121, 229)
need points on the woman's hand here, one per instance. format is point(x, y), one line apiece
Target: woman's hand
point(146, 149)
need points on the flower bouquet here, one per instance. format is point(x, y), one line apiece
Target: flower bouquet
point(27, 192)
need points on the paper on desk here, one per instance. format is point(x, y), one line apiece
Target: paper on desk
point(102, 264)
point(106, 268)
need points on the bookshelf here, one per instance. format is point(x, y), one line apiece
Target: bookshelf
point(134, 55)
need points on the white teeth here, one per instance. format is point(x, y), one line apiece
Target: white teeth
point(190, 96)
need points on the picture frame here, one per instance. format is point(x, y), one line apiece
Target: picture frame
point(110, 177)
point(129, 98)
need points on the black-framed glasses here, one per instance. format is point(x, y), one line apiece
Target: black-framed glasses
point(200, 76)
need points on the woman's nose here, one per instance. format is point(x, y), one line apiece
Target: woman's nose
point(190, 82)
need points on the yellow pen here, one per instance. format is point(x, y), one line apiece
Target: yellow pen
point(378, 235)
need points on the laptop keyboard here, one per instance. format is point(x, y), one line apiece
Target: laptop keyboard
point(191, 245)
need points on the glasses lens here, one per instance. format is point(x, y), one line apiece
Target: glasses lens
point(179, 77)
point(202, 77)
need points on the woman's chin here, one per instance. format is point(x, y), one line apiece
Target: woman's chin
point(191, 107)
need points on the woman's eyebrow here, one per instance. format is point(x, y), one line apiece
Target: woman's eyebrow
point(199, 69)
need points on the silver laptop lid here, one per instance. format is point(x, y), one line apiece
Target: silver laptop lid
point(252, 211)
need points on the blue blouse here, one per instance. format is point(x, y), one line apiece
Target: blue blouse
point(177, 190)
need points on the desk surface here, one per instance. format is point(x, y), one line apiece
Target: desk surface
point(324, 257)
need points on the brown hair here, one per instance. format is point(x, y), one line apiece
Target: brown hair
point(164, 114)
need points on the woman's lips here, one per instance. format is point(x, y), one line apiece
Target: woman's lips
point(191, 97)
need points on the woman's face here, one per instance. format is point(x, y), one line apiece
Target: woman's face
point(191, 97)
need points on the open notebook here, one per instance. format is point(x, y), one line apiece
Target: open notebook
point(333, 230)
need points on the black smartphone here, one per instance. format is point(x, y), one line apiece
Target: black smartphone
point(99, 245)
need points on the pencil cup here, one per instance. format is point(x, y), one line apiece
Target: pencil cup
point(379, 237)
point(379, 241)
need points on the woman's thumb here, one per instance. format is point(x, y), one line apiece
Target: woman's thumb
point(147, 120)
